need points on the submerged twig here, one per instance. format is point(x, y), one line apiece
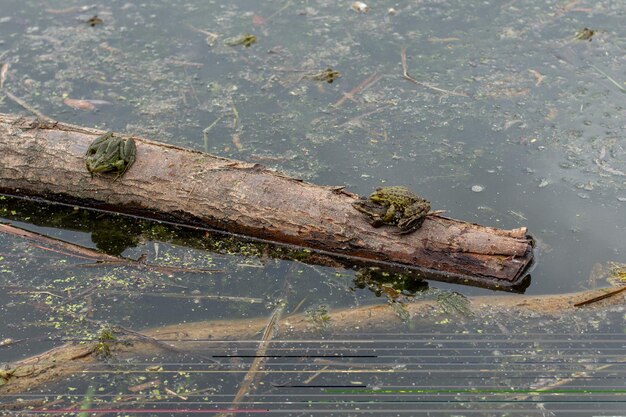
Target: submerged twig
point(139, 335)
point(600, 297)
point(364, 85)
point(184, 296)
point(36, 292)
point(184, 63)
point(560, 381)
point(205, 133)
point(100, 259)
point(72, 9)
point(361, 116)
point(253, 372)
point(211, 37)
point(27, 106)
point(65, 247)
point(235, 115)
point(568, 55)
point(193, 89)
point(80, 295)
point(60, 252)
point(622, 89)
point(405, 74)
point(141, 264)
point(279, 11)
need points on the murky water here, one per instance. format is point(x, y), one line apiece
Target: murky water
point(512, 122)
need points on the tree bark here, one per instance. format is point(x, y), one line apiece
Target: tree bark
point(47, 159)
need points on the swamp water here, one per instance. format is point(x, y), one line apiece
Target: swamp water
point(511, 120)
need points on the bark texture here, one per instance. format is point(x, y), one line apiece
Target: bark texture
point(166, 182)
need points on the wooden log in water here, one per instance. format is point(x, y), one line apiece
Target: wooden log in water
point(47, 159)
point(73, 357)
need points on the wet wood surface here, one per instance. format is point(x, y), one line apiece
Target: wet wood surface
point(191, 338)
point(47, 159)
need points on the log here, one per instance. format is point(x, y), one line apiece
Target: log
point(71, 358)
point(47, 159)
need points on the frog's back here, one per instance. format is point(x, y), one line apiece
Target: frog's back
point(398, 195)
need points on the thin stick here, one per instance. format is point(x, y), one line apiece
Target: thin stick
point(277, 12)
point(101, 259)
point(205, 133)
point(73, 9)
point(365, 84)
point(184, 63)
point(58, 251)
point(236, 115)
point(568, 55)
point(80, 295)
point(71, 249)
point(405, 74)
point(183, 296)
point(140, 264)
point(315, 375)
point(297, 308)
point(116, 327)
point(36, 292)
point(193, 89)
point(253, 372)
point(290, 70)
point(601, 297)
point(622, 89)
point(210, 36)
point(359, 117)
point(27, 106)
point(574, 376)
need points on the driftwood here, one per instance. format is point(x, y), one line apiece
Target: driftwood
point(72, 358)
point(46, 159)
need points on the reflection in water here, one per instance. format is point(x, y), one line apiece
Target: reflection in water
point(540, 130)
point(113, 234)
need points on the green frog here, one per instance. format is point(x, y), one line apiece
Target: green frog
point(395, 206)
point(110, 154)
point(375, 212)
point(585, 34)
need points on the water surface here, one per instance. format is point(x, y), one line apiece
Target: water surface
point(513, 122)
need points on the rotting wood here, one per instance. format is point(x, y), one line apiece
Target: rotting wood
point(72, 358)
point(46, 159)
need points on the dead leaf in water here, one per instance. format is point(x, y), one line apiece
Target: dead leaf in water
point(80, 104)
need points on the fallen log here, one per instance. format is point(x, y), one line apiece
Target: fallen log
point(72, 358)
point(47, 159)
